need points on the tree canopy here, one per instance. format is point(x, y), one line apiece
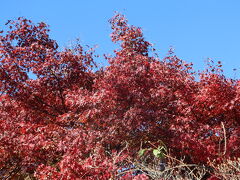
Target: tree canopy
point(75, 122)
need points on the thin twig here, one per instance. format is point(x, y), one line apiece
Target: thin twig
point(225, 138)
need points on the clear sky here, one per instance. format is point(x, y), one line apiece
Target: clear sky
point(197, 29)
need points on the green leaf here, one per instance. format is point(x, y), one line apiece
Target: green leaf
point(141, 152)
point(157, 153)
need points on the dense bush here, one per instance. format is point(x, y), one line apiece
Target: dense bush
point(75, 122)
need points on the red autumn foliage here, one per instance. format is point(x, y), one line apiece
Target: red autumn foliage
point(72, 122)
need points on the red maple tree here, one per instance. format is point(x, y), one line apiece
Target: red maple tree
point(71, 122)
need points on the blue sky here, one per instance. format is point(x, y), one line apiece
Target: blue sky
point(197, 29)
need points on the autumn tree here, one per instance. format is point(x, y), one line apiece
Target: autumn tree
point(75, 122)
